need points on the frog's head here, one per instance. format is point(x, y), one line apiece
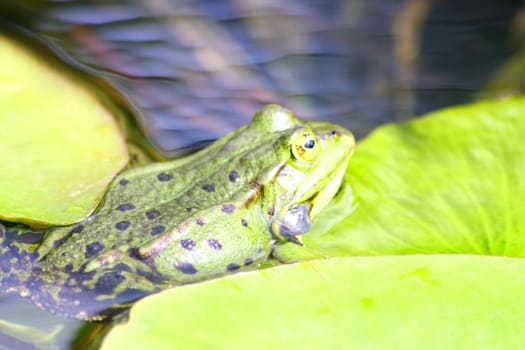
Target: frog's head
point(314, 156)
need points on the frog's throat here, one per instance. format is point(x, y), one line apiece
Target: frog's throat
point(289, 221)
point(325, 195)
point(317, 200)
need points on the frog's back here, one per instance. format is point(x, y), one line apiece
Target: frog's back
point(83, 269)
point(217, 211)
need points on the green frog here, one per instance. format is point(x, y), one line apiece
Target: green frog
point(221, 210)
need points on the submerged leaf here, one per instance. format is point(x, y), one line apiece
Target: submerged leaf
point(59, 146)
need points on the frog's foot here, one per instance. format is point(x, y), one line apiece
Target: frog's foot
point(93, 295)
point(16, 257)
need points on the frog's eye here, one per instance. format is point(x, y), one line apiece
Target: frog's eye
point(305, 146)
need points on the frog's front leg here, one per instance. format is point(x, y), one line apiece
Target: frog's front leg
point(212, 243)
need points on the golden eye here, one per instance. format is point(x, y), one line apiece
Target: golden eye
point(305, 146)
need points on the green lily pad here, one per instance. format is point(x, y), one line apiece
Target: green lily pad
point(405, 302)
point(450, 182)
point(59, 146)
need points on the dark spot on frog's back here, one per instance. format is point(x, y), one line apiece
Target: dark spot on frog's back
point(228, 208)
point(133, 253)
point(164, 177)
point(121, 267)
point(152, 214)
point(234, 176)
point(186, 268)
point(93, 249)
point(157, 230)
point(108, 281)
point(248, 261)
point(123, 182)
point(187, 244)
point(122, 225)
point(214, 244)
point(68, 268)
point(209, 187)
point(232, 267)
point(244, 222)
point(200, 221)
point(125, 207)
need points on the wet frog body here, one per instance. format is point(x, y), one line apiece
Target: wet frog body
point(206, 215)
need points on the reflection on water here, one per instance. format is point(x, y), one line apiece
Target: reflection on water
point(193, 70)
point(24, 326)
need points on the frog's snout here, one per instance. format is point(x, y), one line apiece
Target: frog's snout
point(341, 135)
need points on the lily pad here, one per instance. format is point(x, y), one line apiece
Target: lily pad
point(408, 302)
point(450, 182)
point(59, 146)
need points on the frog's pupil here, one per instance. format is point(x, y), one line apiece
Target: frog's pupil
point(309, 144)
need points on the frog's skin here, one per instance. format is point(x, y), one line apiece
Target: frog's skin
point(218, 211)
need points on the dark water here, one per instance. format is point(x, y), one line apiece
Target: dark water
point(191, 70)
point(183, 73)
